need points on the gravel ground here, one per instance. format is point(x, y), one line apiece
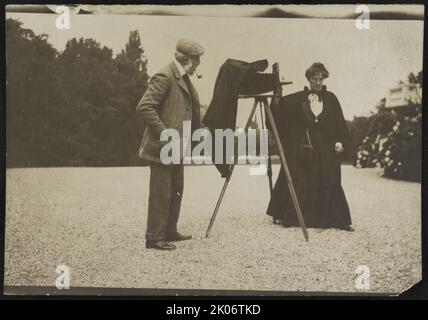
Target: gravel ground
point(93, 220)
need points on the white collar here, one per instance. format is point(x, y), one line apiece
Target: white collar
point(180, 68)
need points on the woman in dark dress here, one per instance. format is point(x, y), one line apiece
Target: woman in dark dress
point(315, 136)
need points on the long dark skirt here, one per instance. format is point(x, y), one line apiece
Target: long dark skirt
point(322, 207)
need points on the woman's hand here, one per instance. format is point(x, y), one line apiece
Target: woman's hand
point(338, 147)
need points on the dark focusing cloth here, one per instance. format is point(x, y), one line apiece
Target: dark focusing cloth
point(235, 78)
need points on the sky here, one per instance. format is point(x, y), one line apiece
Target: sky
point(363, 64)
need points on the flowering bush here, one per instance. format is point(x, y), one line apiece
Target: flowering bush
point(394, 143)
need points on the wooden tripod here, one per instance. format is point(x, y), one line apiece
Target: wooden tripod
point(262, 102)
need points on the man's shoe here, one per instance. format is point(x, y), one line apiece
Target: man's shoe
point(178, 237)
point(160, 245)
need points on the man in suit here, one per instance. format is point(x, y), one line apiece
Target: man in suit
point(169, 100)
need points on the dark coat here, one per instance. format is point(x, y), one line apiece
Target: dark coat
point(166, 103)
point(317, 182)
point(293, 116)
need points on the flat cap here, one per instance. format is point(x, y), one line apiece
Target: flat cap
point(189, 47)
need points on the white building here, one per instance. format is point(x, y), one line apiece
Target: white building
point(404, 94)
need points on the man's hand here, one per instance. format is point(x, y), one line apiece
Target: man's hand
point(338, 147)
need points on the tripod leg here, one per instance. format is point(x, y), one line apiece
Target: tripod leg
point(217, 206)
point(287, 171)
point(269, 168)
point(223, 190)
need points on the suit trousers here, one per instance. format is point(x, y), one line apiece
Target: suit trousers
point(166, 190)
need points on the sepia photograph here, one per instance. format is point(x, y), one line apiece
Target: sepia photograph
point(213, 149)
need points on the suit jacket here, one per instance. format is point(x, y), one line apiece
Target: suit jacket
point(167, 102)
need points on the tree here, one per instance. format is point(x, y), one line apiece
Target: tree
point(87, 71)
point(358, 128)
point(34, 99)
point(74, 108)
point(103, 93)
point(394, 140)
point(131, 83)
